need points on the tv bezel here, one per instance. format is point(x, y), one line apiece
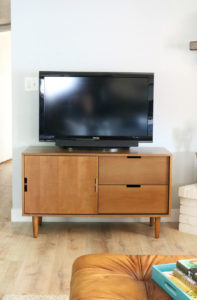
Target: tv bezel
point(46, 138)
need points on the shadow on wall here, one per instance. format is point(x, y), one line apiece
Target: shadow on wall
point(184, 168)
point(183, 137)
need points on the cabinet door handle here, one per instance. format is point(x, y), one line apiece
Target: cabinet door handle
point(25, 184)
point(133, 185)
point(133, 156)
point(96, 185)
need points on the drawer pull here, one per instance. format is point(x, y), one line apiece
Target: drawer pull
point(133, 185)
point(130, 156)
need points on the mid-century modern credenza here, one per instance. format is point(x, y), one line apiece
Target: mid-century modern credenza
point(89, 183)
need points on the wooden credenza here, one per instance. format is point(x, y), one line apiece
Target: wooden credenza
point(125, 183)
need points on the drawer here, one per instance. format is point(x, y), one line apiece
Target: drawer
point(145, 199)
point(137, 170)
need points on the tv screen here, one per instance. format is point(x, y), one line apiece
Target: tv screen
point(104, 105)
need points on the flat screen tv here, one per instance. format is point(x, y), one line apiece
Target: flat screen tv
point(96, 109)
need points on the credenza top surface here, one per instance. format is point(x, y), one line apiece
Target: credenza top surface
point(53, 150)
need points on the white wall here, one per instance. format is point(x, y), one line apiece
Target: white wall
point(5, 97)
point(112, 35)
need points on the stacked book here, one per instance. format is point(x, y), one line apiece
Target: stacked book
point(185, 276)
point(188, 209)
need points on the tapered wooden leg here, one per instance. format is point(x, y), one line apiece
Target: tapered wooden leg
point(151, 221)
point(35, 222)
point(157, 227)
point(40, 221)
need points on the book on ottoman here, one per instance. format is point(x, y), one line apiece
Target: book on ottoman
point(189, 267)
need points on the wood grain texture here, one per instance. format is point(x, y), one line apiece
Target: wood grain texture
point(23, 182)
point(123, 170)
point(103, 216)
point(152, 221)
point(63, 185)
point(35, 221)
point(170, 185)
point(92, 183)
point(5, 190)
point(43, 265)
point(145, 199)
point(52, 150)
point(157, 227)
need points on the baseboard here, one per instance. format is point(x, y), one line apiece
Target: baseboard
point(5, 161)
point(16, 216)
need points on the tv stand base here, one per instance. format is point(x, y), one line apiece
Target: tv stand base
point(37, 221)
point(102, 184)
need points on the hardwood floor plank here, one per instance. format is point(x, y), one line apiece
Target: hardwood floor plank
point(43, 265)
point(5, 191)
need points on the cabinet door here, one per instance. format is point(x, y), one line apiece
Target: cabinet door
point(60, 185)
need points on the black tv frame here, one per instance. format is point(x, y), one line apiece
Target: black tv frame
point(92, 141)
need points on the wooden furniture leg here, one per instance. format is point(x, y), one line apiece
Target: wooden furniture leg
point(35, 221)
point(157, 227)
point(151, 221)
point(40, 221)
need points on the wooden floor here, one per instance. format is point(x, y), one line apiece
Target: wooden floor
point(5, 190)
point(43, 265)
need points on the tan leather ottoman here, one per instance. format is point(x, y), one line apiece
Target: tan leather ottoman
point(117, 277)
